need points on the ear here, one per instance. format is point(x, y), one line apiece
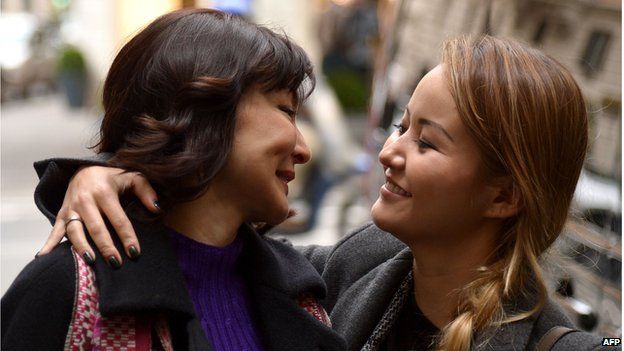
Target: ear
point(504, 200)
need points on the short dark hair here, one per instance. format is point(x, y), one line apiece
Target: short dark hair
point(171, 95)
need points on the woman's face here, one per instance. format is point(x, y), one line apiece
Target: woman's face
point(267, 145)
point(434, 186)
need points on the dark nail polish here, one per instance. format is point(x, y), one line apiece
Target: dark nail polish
point(113, 262)
point(157, 204)
point(133, 252)
point(37, 254)
point(88, 258)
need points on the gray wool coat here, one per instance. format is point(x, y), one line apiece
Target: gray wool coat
point(363, 272)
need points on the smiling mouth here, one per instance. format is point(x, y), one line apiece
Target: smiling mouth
point(393, 188)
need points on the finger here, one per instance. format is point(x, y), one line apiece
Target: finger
point(100, 235)
point(75, 234)
point(144, 191)
point(58, 231)
point(119, 220)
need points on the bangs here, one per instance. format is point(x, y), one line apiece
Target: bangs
point(283, 65)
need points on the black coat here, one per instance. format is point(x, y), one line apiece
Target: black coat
point(37, 308)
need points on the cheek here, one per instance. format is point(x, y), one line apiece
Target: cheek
point(436, 180)
point(426, 172)
point(462, 190)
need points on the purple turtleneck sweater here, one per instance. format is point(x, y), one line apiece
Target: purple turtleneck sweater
point(218, 292)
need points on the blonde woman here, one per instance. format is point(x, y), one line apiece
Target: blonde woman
point(479, 177)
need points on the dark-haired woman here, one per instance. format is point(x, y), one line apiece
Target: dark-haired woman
point(203, 104)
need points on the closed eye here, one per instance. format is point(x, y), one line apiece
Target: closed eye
point(424, 144)
point(289, 111)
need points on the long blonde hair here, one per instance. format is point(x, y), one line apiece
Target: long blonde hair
point(528, 117)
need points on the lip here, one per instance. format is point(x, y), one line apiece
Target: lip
point(285, 176)
point(391, 190)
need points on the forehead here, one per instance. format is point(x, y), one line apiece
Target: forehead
point(283, 95)
point(432, 97)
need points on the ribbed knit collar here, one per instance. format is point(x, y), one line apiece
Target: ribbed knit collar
point(197, 258)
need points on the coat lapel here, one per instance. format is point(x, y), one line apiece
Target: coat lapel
point(277, 275)
point(509, 337)
point(154, 282)
point(363, 304)
point(513, 336)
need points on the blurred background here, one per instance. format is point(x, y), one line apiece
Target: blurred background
point(369, 55)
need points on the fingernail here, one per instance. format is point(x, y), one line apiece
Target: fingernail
point(37, 254)
point(113, 262)
point(133, 252)
point(157, 204)
point(88, 258)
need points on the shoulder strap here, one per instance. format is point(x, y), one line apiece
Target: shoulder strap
point(548, 340)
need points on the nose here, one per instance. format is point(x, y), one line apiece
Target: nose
point(391, 155)
point(301, 153)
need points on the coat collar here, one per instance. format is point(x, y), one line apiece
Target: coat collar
point(275, 273)
point(152, 282)
point(360, 307)
point(509, 337)
point(382, 283)
point(277, 276)
point(276, 265)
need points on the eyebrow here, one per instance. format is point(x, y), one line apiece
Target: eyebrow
point(427, 122)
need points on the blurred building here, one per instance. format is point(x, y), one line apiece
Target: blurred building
point(101, 27)
point(97, 28)
point(39, 8)
point(584, 35)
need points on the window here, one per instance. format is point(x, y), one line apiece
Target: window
point(595, 51)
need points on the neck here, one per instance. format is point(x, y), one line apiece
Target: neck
point(441, 270)
point(208, 219)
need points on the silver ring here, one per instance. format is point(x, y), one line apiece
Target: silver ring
point(71, 219)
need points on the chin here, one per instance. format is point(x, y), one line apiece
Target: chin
point(380, 217)
point(383, 225)
point(277, 215)
point(385, 220)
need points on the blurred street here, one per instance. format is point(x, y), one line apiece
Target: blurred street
point(44, 127)
point(32, 130)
